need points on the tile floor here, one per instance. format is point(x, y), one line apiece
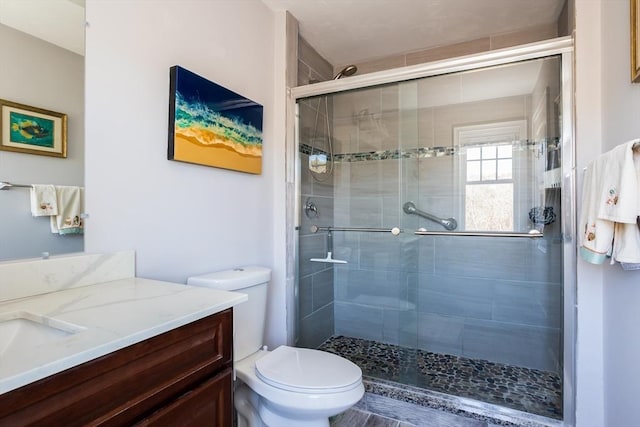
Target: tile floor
point(523, 389)
point(359, 418)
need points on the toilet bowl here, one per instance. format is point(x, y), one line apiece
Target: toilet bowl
point(287, 386)
point(296, 387)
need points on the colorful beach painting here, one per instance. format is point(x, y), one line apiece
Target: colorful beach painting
point(213, 126)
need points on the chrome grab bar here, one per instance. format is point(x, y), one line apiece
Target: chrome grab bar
point(395, 230)
point(448, 223)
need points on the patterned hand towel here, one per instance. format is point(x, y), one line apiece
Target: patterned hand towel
point(43, 200)
point(70, 211)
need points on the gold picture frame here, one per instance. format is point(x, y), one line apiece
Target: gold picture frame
point(635, 41)
point(32, 130)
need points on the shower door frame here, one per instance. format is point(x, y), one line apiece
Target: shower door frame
point(563, 47)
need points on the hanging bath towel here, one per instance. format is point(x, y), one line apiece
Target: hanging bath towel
point(596, 235)
point(618, 184)
point(70, 211)
point(610, 203)
point(43, 200)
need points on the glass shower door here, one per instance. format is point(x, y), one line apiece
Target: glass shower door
point(465, 164)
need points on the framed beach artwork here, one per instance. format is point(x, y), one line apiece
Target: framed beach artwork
point(213, 126)
point(635, 41)
point(32, 130)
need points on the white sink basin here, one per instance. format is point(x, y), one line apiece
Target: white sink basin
point(22, 331)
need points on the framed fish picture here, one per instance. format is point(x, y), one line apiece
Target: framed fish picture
point(211, 125)
point(32, 130)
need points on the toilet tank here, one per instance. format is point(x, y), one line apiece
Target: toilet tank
point(248, 317)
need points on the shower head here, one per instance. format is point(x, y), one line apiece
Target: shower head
point(347, 71)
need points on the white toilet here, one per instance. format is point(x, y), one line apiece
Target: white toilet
point(287, 386)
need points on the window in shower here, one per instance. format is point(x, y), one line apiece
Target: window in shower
point(486, 164)
point(489, 188)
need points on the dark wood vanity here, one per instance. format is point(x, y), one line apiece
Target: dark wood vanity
point(183, 377)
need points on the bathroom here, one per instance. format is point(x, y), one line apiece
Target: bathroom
point(183, 220)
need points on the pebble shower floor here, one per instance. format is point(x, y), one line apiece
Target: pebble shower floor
point(529, 390)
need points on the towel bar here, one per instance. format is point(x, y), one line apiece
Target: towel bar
point(7, 185)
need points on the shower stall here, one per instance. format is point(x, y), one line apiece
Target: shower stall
point(434, 219)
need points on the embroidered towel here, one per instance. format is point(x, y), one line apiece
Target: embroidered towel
point(596, 235)
point(70, 209)
point(43, 200)
point(610, 204)
point(618, 184)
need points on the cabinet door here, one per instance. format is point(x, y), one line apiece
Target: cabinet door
point(122, 387)
point(209, 404)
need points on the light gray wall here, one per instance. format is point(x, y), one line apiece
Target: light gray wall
point(39, 74)
point(182, 219)
point(621, 122)
point(589, 65)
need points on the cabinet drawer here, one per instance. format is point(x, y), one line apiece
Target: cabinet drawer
point(207, 405)
point(126, 385)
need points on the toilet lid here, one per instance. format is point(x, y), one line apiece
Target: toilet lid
point(306, 370)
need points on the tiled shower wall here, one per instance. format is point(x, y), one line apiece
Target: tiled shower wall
point(481, 297)
point(315, 280)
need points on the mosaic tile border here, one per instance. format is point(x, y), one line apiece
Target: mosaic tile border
point(412, 153)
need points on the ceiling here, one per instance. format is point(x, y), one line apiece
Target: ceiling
point(342, 31)
point(60, 22)
point(352, 31)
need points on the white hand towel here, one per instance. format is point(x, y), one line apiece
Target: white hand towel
point(626, 245)
point(595, 234)
point(70, 210)
point(610, 204)
point(43, 200)
point(617, 184)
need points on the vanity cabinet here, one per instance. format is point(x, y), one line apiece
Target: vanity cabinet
point(182, 377)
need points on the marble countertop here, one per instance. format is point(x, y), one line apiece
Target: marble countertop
point(111, 316)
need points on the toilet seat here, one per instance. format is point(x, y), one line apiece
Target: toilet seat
point(305, 370)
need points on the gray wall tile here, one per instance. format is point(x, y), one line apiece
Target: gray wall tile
point(305, 296)
point(518, 345)
point(400, 327)
point(317, 328)
point(440, 334)
point(373, 288)
point(322, 288)
point(452, 296)
point(308, 55)
point(383, 251)
point(490, 257)
point(527, 303)
point(361, 321)
point(311, 246)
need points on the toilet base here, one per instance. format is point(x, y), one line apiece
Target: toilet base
point(255, 411)
point(246, 404)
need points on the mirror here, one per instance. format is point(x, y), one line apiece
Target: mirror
point(43, 46)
